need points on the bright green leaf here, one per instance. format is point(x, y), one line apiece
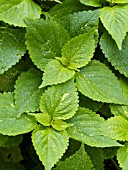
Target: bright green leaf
point(115, 20)
point(15, 11)
point(124, 85)
point(12, 47)
point(60, 101)
point(94, 3)
point(88, 129)
point(27, 93)
point(56, 73)
point(118, 1)
point(97, 82)
point(59, 125)
point(49, 145)
point(78, 161)
point(78, 51)
point(119, 110)
point(45, 40)
point(118, 58)
point(122, 156)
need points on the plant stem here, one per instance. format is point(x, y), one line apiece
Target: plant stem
point(115, 164)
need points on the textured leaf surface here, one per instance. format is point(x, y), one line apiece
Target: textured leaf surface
point(78, 51)
point(118, 1)
point(78, 161)
point(81, 22)
point(115, 20)
point(49, 145)
point(12, 47)
point(45, 40)
point(60, 101)
point(117, 128)
point(97, 82)
point(88, 129)
point(118, 58)
point(95, 3)
point(122, 156)
point(27, 93)
point(124, 85)
point(15, 11)
point(10, 123)
point(56, 73)
point(119, 110)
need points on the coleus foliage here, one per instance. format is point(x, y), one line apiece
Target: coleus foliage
point(72, 64)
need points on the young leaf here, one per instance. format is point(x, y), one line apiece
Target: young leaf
point(10, 123)
point(49, 145)
point(60, 101)
point(94, 3)
point(80, 160)
point(27, 93)
point(118, 58)
point(78, 51)
point(117, 128)
point(45, 40)
point(12, 43)
point(97, 82)
point(81, 22)
point(88, 129)
point(56, 73)
point(115, 20)
point(59, 125)
point(122, 156)
point(15, 11)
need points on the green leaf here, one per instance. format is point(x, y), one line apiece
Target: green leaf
point(10, 141)
point(60, 101)
point(59, 125)
point(45, 44)
point(118, 1)
point(124, 85)
point(11, 166)
point(56, 73)
point(78, 161)
point(78, 51)
point(117, 128)
point(118, 58)
point(27, 94)
point(12, 47)
point(122, 156)
point(80, 22)
point(10, 123)
point(119, 110)
point(49, 145)
point(15, 11)
point(109, 153)
point(88, 128)
point(115, 20)
point(94, 3)
point(97, 82)
point(44, 119)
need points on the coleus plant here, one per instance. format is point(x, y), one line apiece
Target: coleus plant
point(64, 76)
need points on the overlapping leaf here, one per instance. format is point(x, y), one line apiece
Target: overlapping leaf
point(60, 101)
point(118, 58)
point(97, 82)
point(88, 129)
point(56, 73)
point(27, 93)
point(15, 11)
point(49, 145)
point(12, 47)
point(119, 110)
point(45, 40)
point(10, 123)
point(94, 3)
point(78, 51)
point(115, 20)
point(79, 160)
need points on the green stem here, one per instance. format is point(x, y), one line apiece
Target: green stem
point(115, 164)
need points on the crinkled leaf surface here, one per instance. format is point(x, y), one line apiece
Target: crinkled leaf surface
point(122, 156)
point(97, 82)
point(10, 123)
point(12, 47)
point(117, 128)
point(118, 1)
point(81, 22)
point(45, 40)
point(60, 101)
point(56, 73)
point(15, 11)
point(78, 51)
point(27, 93)
point(49, 145)
point(118, 58)
point(88, 129)
point(94, 3)
point(115, 20)
point(78, 161)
